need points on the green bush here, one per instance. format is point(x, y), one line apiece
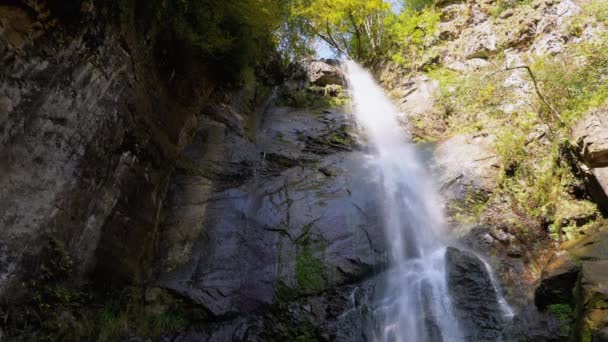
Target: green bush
point(410, 32)
point(227, 35)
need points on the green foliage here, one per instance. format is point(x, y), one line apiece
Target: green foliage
point(60, 310)
point(598, 9)
point(409, 33)
point(471, 102)
point(354, 27)
point(309, 267)
point(527, 139)
point(234, 32)
point(226, 35)
point(502, 5)
point(576, 84)
point(566, 316)
point(125, 313)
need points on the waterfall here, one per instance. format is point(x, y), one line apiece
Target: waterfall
point(416, 304)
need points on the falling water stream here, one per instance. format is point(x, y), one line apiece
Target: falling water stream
point(416, 304)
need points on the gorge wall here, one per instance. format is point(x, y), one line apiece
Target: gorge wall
point(135, 185)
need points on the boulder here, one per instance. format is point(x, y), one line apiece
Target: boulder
point(601, 336)
point(322, 73)
point(558, 279)
point(576, 277)
point(474, 296)
point(483, 41)
point(593, 246)
point(535, 326)
point(592, 139)
point(468, 169)
point(416, 95)
point(593, 297)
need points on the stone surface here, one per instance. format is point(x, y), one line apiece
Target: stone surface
point(592, 138)
point(321, 73)
point(593, 297)
point(530, 325)
point(474, 296)
point(558, 279)
point(286, 224)
point(468, 167)
point(482, 41)
point(341, 314)
point(55, 132)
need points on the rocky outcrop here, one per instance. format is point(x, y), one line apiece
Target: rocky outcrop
point(91, 124)
point(64, 113)
point(474, 296)
point(592, 139)
point(558, 279)
point(133, 173)
point(469, 170)
point(295, 221)
point(572, 296)
point(322, 73)
point(534, 326)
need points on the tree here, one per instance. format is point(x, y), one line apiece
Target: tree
point(352, 27)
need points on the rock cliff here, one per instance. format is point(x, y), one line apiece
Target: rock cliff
point(145, 188)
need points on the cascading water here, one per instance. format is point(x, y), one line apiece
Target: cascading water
point(416, 305)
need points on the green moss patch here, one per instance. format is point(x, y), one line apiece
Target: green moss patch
point(310, 269)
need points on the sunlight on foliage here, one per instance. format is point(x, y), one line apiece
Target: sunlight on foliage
point(535, 174)
point(352, 27)
point(409, 31)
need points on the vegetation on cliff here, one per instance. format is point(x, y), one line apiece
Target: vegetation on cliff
point(494, 83)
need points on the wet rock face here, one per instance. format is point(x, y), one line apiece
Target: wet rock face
point(306, 220)
point(270, 222)
point(341, 314)
point(86, 146)
point(474, 297)
point(61, 117)
point(532, 325)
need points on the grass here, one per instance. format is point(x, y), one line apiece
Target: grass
point(597, 9)
point(127, 314)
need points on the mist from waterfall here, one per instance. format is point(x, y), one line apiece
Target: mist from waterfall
point(416, 305)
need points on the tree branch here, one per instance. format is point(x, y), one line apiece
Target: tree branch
point(329, 40)
point(540, 95)
point(357, 34)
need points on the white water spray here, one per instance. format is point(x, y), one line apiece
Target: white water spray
point(417, 305)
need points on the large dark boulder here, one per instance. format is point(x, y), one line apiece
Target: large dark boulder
point(534, 326)
point(474, 296)
point(558, 279)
